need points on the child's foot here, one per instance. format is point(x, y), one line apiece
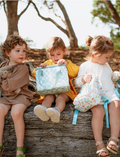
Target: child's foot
point(112, 145)
point(1, 149)
point(19, 152)
point(40, 111)
point(54, 114)
point(101, 149)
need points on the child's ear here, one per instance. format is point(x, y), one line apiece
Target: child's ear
point(96, 54)
point(7, 54)
point(64, 50)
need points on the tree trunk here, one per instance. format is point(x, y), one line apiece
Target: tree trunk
point(12, 17)
point(69, 29)
point(113, 12)
point(71, 34)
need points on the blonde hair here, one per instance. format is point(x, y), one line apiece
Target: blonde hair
point(55, 43)
point(101, 44)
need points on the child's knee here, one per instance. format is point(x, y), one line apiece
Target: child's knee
point(62, 97)
point(16, 114)
point(50, 97)
point(2, 112)
point(98, 111)
point(114, 106)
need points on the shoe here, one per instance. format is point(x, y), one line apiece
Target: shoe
point(99, 152)
point(54, 114)
point(40, 111)
point(22, 149)
point(1, 150)
point(112, 143)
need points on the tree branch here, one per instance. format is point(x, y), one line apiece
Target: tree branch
point(49, 19)
point(24, 10)
point(67, 20)
point(58, 16)
point(113, 12)
point(51, 7)
point(3, 5)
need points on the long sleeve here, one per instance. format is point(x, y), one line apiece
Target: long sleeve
point(81, 73)
point(114, 75)
point(72, 69)
point(18, 79)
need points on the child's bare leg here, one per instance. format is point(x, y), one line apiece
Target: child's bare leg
point(54, 113)
point(114, 120)
point(49, 99)
point(97, 125)
point(61, 101)
point(17, 112)
point(3, 112)
point(40, 110)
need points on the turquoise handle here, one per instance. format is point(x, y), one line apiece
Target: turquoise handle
point(117, 93)
point(74, 122)
point(106, 113)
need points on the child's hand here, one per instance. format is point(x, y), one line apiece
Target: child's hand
point(119, 75)
point(87, 78)
point(42, 65)
point(62, 61)
point(9, 74)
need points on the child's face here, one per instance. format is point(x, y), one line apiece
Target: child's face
point(104, 58)
point(57, 54)
point(17, 55)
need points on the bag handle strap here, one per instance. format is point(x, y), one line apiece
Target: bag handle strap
point(106, 101)
point(75, 116)
point(106, 112)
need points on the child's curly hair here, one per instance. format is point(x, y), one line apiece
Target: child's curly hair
point(10, 44)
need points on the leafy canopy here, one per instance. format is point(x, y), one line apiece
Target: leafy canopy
point(100, 11)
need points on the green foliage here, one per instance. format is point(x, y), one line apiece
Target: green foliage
point(117, 6)
point(83, 47)
point(44, 48)
point(29, 41)
point(101, 11)
point(97, 2)
point(115, 37)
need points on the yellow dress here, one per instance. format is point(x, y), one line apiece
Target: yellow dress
point(72, 73)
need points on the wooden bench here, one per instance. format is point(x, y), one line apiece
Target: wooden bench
point(48, 139)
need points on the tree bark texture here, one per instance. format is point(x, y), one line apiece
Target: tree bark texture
point(113, 12)
point(71, 34)
point(48, 139)
point(12, 17)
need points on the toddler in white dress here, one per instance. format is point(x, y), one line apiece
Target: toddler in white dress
point(101, 48)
